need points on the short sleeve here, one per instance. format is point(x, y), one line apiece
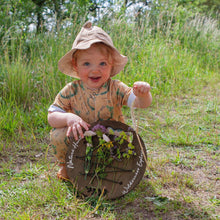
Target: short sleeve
point(63, 98)
point(120, 92)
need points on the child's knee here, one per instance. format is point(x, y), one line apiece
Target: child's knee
point(59, 143)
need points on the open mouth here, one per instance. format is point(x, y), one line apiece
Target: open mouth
point(95, 79)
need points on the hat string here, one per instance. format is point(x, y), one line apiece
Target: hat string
point(136, 129)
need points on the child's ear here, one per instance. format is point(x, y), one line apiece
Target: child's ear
point(74, 64)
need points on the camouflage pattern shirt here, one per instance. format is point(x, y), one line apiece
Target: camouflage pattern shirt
point(104, 103)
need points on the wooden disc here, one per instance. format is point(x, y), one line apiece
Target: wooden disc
point(119, 177)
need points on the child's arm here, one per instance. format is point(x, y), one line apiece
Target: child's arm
point(143, 96)
point(70, 120)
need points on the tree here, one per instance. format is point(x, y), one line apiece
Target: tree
point(204, 6)
point(39, 12)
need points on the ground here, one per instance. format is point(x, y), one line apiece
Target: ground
point(182, 179)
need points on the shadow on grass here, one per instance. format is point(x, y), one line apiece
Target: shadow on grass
point(141, 203)
point(144, 203)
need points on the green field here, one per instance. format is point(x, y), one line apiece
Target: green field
point(181, 129)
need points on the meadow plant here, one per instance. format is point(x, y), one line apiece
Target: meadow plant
point(175, 51)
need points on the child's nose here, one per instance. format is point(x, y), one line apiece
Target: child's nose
point(95, 69)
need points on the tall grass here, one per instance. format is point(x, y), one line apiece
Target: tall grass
point(173, 51)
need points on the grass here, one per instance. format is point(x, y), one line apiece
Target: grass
point(181, 179)
point(181, 129)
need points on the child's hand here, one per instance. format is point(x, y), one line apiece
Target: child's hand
point(143, 95)
point(141, 89)
point(75, 125)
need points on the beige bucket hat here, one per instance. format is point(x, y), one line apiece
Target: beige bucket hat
point(87, 36)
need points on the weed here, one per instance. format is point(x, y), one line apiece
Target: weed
point(181, 129)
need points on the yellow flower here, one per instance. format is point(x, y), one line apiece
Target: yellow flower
point(109, 145)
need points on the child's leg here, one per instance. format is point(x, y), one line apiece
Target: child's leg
point(59, 143)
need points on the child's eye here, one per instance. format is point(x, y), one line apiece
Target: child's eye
point(103, 63)
point(86, 64)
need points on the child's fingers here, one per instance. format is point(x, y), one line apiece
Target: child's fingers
point(68, 131)
point(85, 125)
point(141, 88)
point(72, 130)
point(76, 129)
point(144, 89)
point(141, 85)
point(79, 129)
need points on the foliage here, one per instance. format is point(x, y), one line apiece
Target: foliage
point(181, 179)
point(173, 47)
point(113, 145)
point(204, 6)
point(47, 15)
point(165, 48)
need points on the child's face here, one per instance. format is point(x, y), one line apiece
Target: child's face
point(93, 67)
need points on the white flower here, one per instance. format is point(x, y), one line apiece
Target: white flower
point(106, 138)
point(89, 133)
point(113, 131)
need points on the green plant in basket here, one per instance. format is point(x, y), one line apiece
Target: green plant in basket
point(110, 147)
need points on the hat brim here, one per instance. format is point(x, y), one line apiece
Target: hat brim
point(65, 63)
